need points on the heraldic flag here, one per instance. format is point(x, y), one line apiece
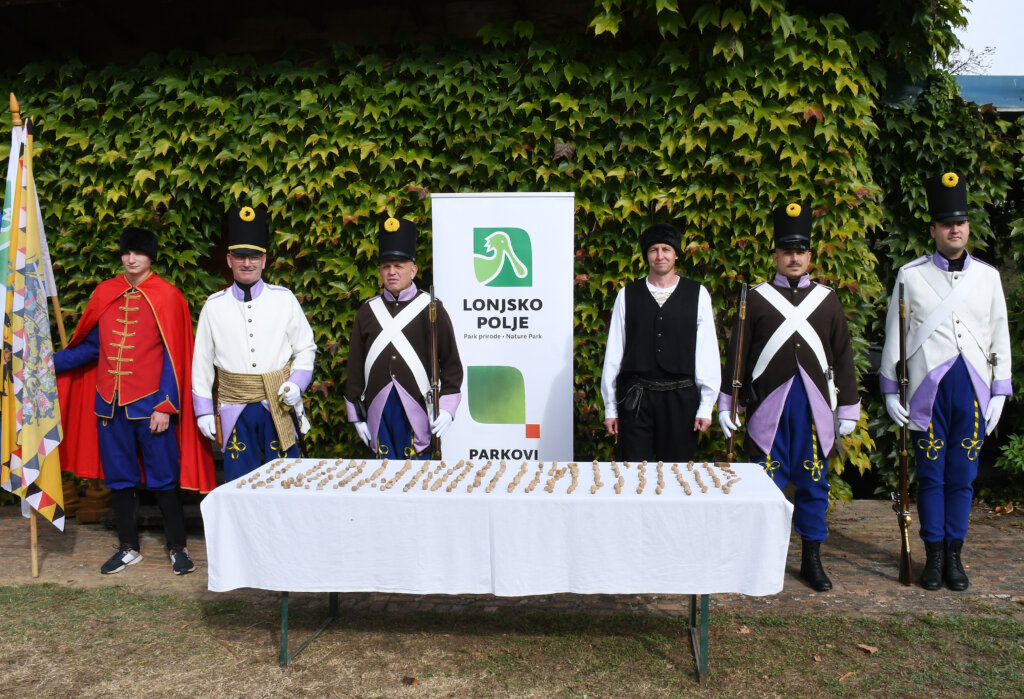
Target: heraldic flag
point(29, 410)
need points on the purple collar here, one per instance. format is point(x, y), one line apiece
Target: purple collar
point(783, 281)
point(942, 263)
point(406, 294)
point(256, 290)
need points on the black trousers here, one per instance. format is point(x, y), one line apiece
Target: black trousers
point(660, 426)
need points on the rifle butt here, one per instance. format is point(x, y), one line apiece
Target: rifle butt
point(906, 569)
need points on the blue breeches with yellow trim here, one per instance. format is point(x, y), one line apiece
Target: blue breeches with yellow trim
point(252, 443)
point(394, 434)
point(947, 458)
point(796, 458)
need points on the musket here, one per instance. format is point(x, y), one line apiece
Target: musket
point(737, 371)
point(901, 500)
point(434, 394)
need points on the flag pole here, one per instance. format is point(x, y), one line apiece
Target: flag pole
point(54, 301)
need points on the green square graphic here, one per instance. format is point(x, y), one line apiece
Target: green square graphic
point(496, 394)
point(502, 257)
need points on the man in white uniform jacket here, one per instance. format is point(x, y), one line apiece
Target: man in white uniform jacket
point(958, 366)
point(255, 340)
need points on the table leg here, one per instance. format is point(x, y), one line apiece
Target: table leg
point(284, 629)
point(699, 634)
point(332, 614)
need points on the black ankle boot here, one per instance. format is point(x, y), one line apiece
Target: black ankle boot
point(931, 578)
point(811, 570)
point(956, 577)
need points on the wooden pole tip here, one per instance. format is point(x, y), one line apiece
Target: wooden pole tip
point(15, 110)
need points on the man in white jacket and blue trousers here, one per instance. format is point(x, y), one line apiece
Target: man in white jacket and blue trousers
point(958, 365)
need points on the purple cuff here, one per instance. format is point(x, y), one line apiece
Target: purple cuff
point(202, 406)
point(888, 385)
point(301, 378)
point(849, 412)
point(724, 402)
point(1002, 387)
point(350, 411)
point(450, 403)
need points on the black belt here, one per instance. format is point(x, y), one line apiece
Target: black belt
point(637, 386)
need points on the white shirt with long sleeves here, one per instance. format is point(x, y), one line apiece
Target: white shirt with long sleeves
point(707, 365)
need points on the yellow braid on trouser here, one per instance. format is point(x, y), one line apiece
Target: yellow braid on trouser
point(242, 389)
point(973, 444)
point(815, 465)
point(931, 446)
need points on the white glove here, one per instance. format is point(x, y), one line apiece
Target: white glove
point(995, 409)
point(208, 426)
point(846, 427)
point(363, 430)
point(726, 423)
point(441, 423)
point(290, 393)
point(896, 411)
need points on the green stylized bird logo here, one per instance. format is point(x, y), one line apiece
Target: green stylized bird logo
point(498, 249)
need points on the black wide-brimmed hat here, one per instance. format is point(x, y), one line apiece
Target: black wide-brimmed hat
point(947, 197)
point(397, 239)
point(792, 226)
point(247, 230)
point(139, 240)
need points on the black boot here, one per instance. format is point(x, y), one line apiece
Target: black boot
point(811, 570)
point(956, 577)
point(931, 578)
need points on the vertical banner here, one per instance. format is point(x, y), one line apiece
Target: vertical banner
point(503, 267)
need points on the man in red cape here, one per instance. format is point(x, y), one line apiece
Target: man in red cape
point(122, 383)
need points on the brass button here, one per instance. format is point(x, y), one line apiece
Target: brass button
point(254, 364)
point(253, 349)
point(250, 320)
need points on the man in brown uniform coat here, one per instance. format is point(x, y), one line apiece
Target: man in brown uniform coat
point(390, 356)
point(799, 384)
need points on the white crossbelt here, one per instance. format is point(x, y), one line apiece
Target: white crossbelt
point(391, 328)
point(952, 297)
point(795, 321)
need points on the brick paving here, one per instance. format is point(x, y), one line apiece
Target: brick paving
point(860, 557)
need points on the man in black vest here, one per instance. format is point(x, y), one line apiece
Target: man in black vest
point(661, 367)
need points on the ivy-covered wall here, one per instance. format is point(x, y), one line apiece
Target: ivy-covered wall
point(706, 117)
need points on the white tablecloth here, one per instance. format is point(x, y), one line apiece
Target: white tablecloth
point(510, 544)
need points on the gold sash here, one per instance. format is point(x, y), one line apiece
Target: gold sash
point(241, 389)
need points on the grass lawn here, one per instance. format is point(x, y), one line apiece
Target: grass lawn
point(57, 641)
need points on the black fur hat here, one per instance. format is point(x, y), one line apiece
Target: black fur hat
point(139, 240)
point(662, 233)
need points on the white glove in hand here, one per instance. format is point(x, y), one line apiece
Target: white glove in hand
point(995, 409)
point(208, 426)
point(290, 393)
point(896, 411)
point(363, 430)
point(441, 423)
point(846, 427)
point(726, 423)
